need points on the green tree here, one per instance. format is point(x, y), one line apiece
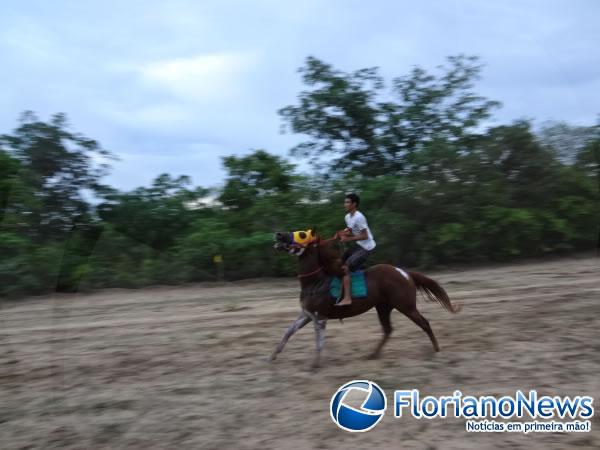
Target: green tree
point(565, 140)
point(351, 122)
point(156, 216)
point(60, 166)
point(257, 175)
point(18, 203)
point(341, 114)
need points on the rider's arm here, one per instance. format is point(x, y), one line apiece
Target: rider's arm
point(359, 237)
point(361, 222)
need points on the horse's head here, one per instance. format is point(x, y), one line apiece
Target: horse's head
point(295, 242)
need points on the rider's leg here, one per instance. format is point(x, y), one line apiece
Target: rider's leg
point(346, 287)
point(357, 260)
point(353, 262)
point(346, 281)
point(348, 253)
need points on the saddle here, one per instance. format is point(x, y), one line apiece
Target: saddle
point(358, 283)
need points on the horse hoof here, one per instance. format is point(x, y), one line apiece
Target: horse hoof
point(271, 358)
point(372, 356)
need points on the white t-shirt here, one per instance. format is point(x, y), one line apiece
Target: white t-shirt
point(357, 223)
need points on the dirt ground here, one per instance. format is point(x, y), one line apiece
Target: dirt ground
point(186, 367)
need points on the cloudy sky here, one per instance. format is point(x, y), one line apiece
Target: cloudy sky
point(173, 86)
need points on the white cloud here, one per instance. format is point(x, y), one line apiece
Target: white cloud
point(200, 161)
point(201, 77)
point(196, 80)
point(162, 117)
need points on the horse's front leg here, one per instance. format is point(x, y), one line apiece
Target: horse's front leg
point(319, 325)
point(302, 320)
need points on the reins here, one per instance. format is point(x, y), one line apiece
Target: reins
point(308, 274)
point(317, 270)
point(327, 241)
point(318, 243)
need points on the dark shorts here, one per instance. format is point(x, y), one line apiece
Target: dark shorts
point(355, 258)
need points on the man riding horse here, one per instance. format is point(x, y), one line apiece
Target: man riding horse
point(357, 231)
point(387, 288)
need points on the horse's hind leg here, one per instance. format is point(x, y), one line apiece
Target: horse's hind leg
point(302, 320)
point(417, 318)
point(383, 311)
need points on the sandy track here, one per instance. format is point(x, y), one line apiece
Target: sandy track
point(185, 367)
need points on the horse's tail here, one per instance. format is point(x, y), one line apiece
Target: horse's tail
point(433, 291)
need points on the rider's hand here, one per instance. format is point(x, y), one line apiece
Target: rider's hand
point(343, 234)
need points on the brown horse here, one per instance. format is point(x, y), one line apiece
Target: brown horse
point(388, 288)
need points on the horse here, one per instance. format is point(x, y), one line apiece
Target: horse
point(388, 288)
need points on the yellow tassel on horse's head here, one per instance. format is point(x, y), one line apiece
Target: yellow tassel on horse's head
point(304, 238)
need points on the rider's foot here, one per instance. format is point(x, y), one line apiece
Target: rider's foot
point(344, 302)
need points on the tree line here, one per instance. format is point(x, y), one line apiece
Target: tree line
point(437, 184)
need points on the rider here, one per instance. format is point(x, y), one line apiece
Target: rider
point(357, 231)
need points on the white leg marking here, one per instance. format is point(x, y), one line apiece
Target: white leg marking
point(320, 333)
point(302, 320)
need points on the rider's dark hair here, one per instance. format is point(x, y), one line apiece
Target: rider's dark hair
point(353, 198)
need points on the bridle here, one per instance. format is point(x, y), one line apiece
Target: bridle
point(313, 272)
point(320, 268)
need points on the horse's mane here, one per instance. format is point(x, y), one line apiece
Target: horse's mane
point(330, 256)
